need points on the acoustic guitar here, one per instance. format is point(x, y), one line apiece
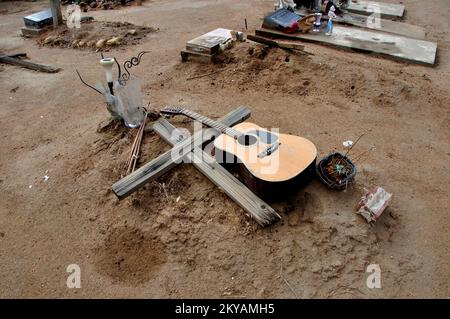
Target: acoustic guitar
point(269, 163)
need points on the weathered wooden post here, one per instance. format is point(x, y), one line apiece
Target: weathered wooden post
point(55, 6)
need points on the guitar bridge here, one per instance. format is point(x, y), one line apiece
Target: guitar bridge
point(269, 150)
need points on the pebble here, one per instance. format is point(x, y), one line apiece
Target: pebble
point(50, 39)
point(58, 40)
point(114, 41)
point(100, 43)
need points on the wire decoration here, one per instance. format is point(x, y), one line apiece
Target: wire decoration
point(119, 69)
point(89, 86)
point(134, 61)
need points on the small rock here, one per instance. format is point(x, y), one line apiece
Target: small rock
point(82, 43)
point(50, 39)
point(58, 40)
point(132, 32)
point(114, 41)
point(347, 144)
point(100, 43)
point(336, 263)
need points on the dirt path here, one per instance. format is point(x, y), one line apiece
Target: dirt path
point(202, 245)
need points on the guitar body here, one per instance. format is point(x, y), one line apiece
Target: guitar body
point(270, 164)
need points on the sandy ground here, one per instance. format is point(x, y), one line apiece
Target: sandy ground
point(150, 244)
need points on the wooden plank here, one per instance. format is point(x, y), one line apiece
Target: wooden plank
point(201, 57)
point(15, 55)
point(258, 210)
point(395, 27)
point(173, 157)
point(386, 10)
point(389, 26)
point(389, 45)
point(28, 64)
point(277, 44)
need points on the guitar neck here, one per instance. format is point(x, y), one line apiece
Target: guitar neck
point(212, 123)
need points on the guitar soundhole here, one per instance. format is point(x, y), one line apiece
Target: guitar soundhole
point(264, 136)
point(247, 140)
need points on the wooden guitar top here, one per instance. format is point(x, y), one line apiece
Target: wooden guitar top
point(290, 158)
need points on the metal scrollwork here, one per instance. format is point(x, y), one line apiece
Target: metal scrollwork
point(134, 61)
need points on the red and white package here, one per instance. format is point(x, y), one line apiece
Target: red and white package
point(373, 204)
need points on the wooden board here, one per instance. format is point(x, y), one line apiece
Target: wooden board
point(14, 55)
point(389, 45)
point(173, 157)
point(277, 44)
point(258, 210)
point(186, 55)
point(386, 10)
point(363, 21)
point(28, 64)
point(395, 27)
